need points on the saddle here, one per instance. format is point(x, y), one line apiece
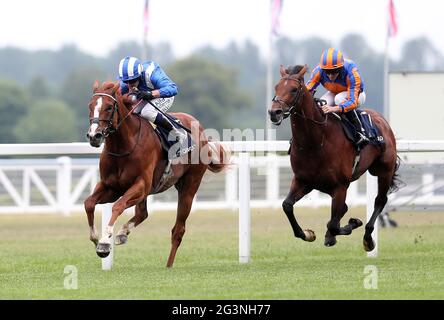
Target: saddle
point(187, 146)
point(372, 132)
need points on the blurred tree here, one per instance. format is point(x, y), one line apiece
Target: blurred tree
point(47, 121)
point(76, 92)
point(38, 88)
point(246, 60)
point(208, 91)
point(419, 54)
point(13, 106)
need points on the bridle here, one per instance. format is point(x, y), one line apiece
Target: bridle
point(109, 129)
point(295, 102)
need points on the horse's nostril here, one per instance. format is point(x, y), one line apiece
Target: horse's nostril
point(98, 136)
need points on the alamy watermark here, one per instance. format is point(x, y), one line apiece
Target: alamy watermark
point(71, 277)
point(371, 277)
point(211, 152)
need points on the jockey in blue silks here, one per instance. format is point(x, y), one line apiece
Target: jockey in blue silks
point(149, 82)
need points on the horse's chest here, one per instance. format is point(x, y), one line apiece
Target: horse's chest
point(119, 178)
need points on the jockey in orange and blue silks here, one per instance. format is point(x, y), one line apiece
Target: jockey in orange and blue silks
point(149, 82)
point(342, 79)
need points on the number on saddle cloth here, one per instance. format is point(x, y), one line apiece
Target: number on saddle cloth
point(370, 128)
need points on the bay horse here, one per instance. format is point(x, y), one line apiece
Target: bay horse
point(132, 165)
point(322, 157)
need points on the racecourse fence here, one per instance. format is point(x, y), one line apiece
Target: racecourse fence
point(60, 185)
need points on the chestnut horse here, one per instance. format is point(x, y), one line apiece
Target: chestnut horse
point(322, 158)
point(132, 165)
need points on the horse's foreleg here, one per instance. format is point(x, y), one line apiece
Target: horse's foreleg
point(380, 202)
point(101, 194)
point(338, 209)
point(140, 215)
point(297, 191)
point(135, 194)
point(187, 189)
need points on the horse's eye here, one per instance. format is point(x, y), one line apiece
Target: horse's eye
point(294, 91)
point(109, 109)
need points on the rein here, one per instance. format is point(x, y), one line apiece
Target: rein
point(111, 129)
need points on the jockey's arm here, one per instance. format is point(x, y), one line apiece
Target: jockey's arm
point(353, 92)
point(315, 80)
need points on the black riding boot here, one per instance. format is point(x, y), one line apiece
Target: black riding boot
point(360, 135)
point(165, 123)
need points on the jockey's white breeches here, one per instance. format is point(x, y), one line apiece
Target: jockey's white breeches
point(150, 113)
point(336, 99)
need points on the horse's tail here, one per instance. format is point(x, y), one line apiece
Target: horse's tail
point(396, 183)
point(220, 158)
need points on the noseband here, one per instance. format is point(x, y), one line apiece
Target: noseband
point(110, 127)
point(295, 102)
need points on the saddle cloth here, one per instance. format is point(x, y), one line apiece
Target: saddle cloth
point(371, 130)
point(187, 145)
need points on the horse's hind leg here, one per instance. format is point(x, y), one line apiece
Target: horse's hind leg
point(297, 191)
point(187, 188)
point(380, 202)
point(140, 215)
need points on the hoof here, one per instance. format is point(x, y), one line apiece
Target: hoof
point(121, 239)
point(369, 245)
point(330, 241)
point(355, 223)
point(310, 236)
point(103, 250)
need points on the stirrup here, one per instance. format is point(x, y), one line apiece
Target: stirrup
point(362, 138)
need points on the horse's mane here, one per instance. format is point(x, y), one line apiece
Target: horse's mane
point(294, 69)
point(107, 85)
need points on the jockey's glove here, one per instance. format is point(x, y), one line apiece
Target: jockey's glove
point(145, 95)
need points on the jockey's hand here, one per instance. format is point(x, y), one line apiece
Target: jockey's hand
point(330, 109)
point(145, 95)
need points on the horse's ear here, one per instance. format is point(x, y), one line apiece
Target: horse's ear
point(283, 71)
point(116, 87)
point(303, 71)
point(95, 86)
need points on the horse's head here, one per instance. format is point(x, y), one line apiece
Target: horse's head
point(103, 112)
point(288, 93)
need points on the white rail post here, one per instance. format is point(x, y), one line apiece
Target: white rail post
point(107, 209)
point(272, 180)
point(64, 185)
point(372, 191)
point(244, 208)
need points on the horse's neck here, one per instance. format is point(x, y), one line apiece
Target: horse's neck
point(126, 135)
point(307, 126)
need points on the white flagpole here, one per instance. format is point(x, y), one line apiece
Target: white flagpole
point(269, 84)
point(145, 31)
point(386, 77)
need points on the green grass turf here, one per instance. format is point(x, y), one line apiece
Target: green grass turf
point(34, 250)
